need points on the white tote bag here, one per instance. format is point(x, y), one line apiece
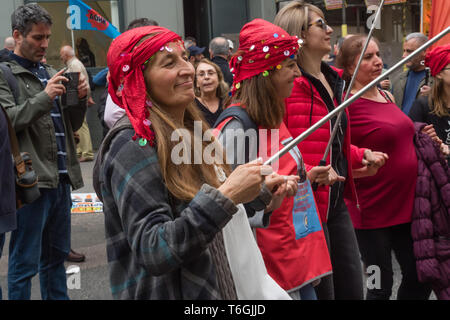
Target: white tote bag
point(250, 275)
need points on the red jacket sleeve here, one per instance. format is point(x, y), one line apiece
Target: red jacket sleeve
point(356, 156)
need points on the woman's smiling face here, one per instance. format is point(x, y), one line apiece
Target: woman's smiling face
point(170, 77)
point(283, 78)
point(318, 35)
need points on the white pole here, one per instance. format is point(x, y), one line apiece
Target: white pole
point(421, 16)
point(73, 39)
point(356, 96)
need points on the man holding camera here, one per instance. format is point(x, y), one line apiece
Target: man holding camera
point(44, 128)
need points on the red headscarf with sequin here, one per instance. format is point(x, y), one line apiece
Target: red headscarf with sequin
point(262, 46)
point(438, 58)
point(126, 61)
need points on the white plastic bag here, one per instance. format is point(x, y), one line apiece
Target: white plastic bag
point(250, 275)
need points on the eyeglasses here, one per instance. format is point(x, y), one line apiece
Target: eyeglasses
point(319, 23)
point(203, 74)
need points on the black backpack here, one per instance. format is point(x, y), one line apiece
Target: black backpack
point(11, 79)
point(239, 113)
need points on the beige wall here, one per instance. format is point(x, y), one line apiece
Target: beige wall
point(7, 7)
point(264, 9)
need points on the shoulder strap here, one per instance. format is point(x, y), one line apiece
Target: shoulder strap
point(239, 113)
point(11, 79)
point(386, 95)
point(121, 124)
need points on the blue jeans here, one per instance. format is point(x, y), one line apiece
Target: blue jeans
point(304, 293)
point(41, 244)
point(307, 293)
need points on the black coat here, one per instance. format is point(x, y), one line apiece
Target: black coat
point(225, 67)
point(7, 185)
point(421, 112)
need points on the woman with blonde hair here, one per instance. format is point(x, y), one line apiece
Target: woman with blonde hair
point(317, 92)
point(292, 243)
point(165, 221)
point(210, 90)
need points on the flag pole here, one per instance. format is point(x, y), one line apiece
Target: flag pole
point(337, 124)
point(73, 39)
point(356, 96)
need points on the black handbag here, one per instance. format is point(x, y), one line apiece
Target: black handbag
point(27, 190)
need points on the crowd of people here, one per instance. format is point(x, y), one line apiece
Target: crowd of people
point(213, 221)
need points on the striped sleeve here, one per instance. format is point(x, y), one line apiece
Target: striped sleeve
point(161, 239)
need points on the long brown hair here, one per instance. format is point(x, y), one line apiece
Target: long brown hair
point(258, 95)
point(436, 99)
point(184, 180)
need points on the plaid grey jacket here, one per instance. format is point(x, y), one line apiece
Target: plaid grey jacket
point(157, 247)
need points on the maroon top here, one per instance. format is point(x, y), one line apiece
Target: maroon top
point(387, 198)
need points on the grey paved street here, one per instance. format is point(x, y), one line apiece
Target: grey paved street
point(88, 237)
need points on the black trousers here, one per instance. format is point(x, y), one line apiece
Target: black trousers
point(376, 246)
point(346, 282)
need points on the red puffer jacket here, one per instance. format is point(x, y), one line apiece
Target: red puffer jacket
point(306, 106)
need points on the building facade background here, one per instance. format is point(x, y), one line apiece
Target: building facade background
point(205, 19)
point(202, 19)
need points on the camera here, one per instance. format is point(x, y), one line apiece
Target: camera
point(70, 98)
point(26, 180)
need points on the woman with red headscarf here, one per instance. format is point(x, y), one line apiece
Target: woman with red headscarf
point(315, 94)
point(293, 244)
point(435, 109)
point(165, 218)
